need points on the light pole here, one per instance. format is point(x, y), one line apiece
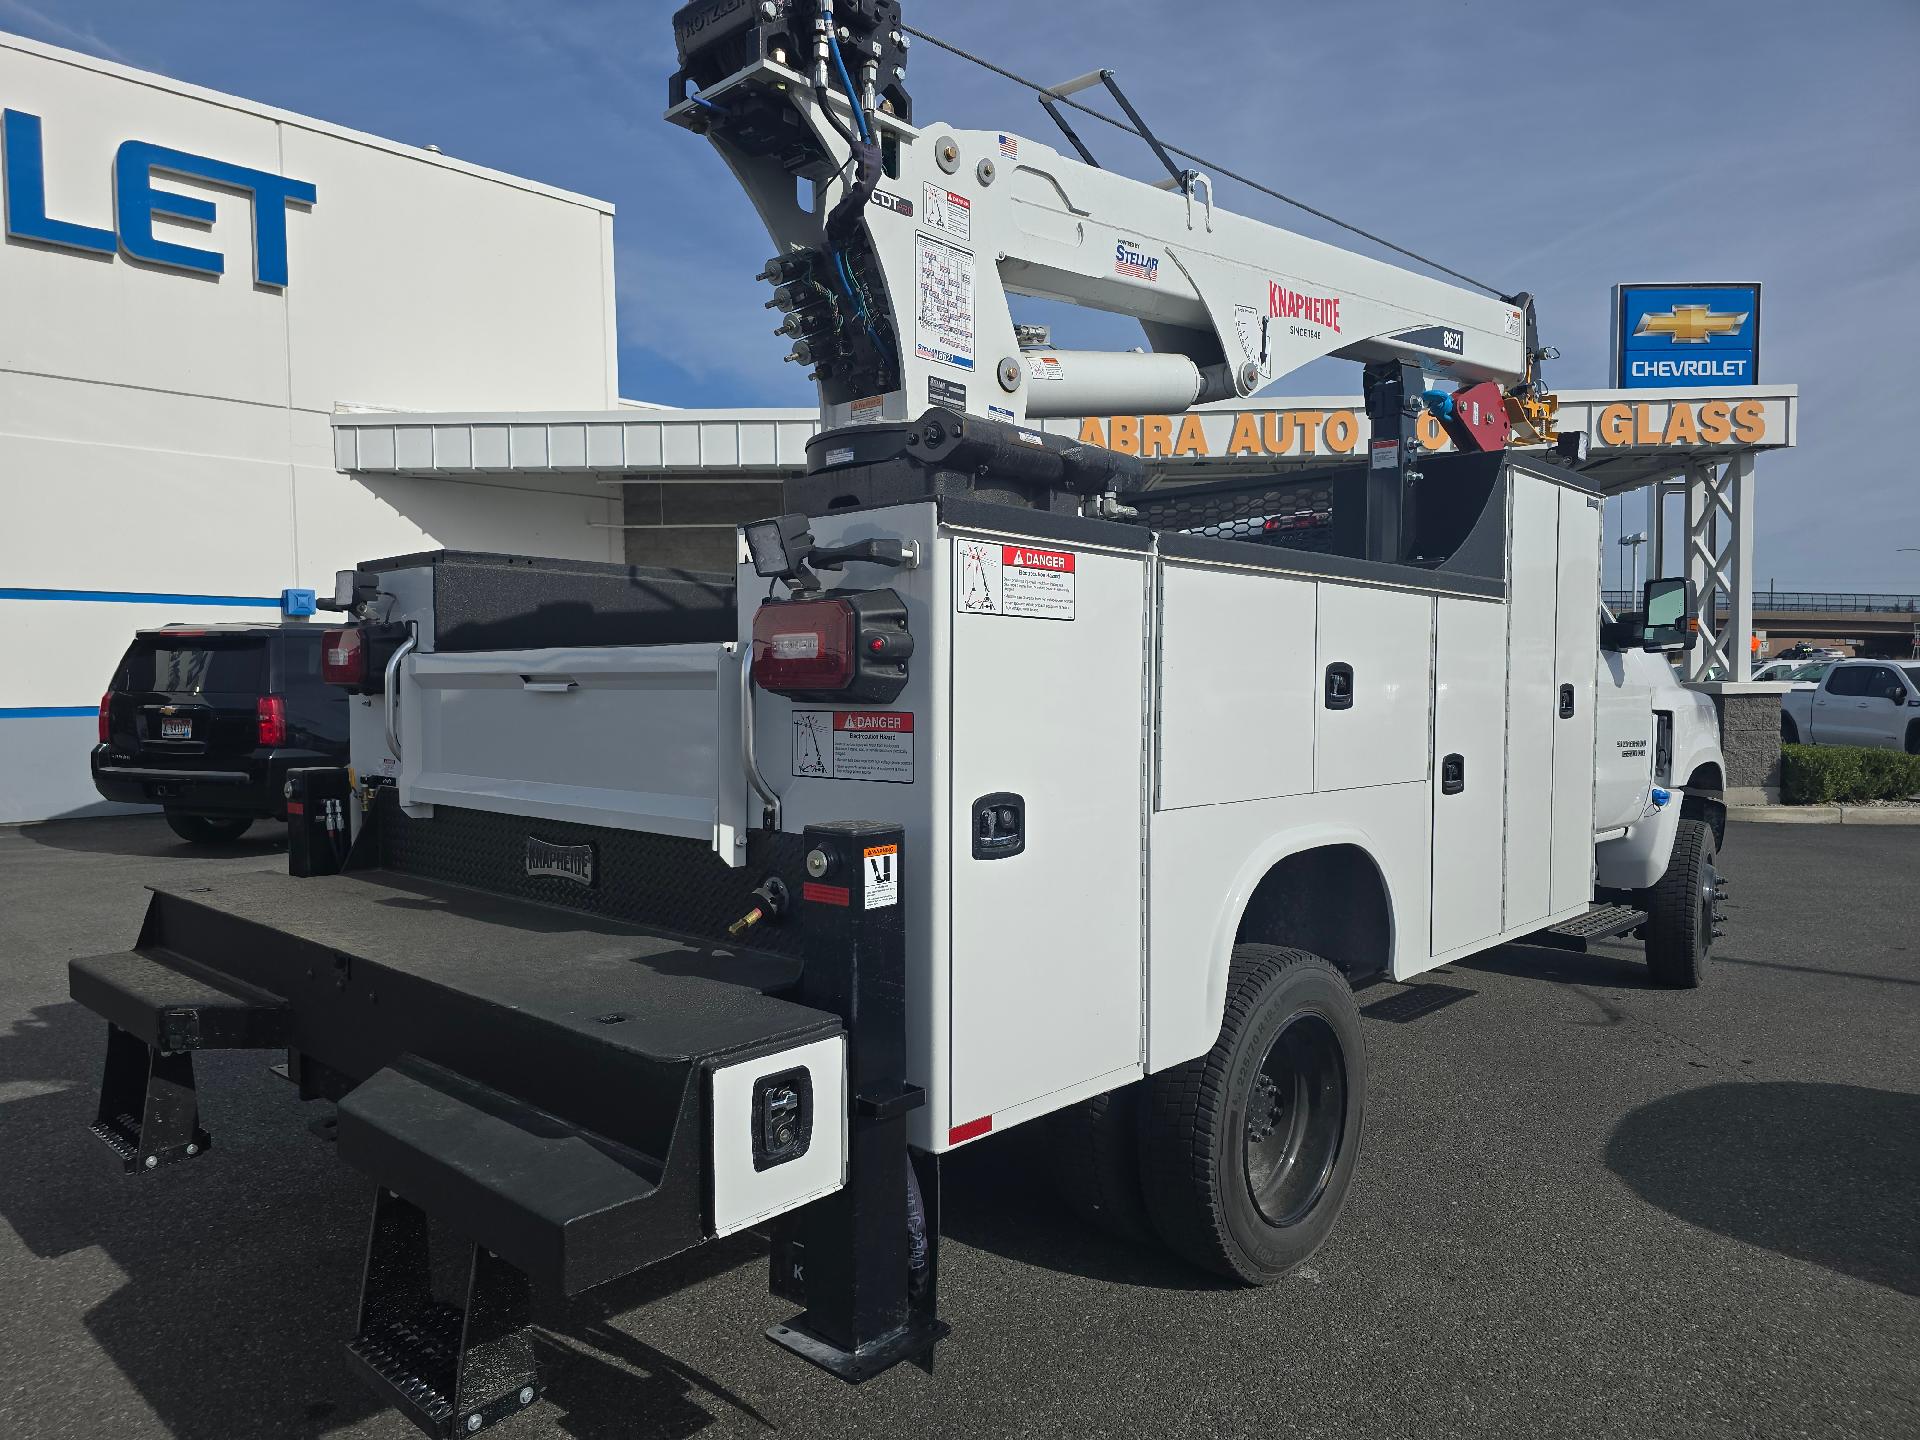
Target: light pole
point(1634, 542)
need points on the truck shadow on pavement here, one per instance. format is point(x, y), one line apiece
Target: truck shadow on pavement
point(1622, 970)
point(148, 835)
point(1823, 1173)
point(998, 1195)
point(230, 1283)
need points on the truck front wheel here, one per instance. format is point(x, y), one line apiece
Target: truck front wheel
point(1682, 909)
point(1248, 1150)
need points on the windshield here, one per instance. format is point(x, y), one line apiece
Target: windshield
point(1813, 671)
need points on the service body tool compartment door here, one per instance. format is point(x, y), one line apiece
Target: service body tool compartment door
point(1238, 687)
point(1532, 699)
point(1046, 959)
point(1576, 660)
point(1469, 788)
point(1374, 685)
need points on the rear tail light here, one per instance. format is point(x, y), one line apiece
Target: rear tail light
point(848, 647)
point(272, 712)
point(343, 657)
point(106, 719)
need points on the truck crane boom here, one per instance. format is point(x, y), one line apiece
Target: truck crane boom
point(900, 245)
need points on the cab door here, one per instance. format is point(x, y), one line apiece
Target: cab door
point(1623, 746)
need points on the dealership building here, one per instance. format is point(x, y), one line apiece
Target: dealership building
point(241, 349)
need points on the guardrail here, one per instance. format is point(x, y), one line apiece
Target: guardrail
point(1804, 601)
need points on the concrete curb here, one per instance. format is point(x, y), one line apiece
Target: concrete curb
point(1823, 815)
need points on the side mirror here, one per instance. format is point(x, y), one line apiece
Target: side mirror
point(1897, 694)
point(1671, 623)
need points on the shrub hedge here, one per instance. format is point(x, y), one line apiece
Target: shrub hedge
point(1824, 774)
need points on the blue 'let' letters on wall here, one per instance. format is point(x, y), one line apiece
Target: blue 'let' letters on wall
point(136, 202)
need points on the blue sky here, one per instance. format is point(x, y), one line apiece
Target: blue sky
point(1552, 146)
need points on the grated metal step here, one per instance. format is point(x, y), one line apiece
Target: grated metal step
point(1601, 922)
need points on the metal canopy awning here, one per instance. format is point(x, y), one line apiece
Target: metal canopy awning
point(1700, 443)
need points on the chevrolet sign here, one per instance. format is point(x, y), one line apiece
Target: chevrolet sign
point(1667, 335)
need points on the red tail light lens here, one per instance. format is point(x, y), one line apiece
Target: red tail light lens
point(272, 711)
point(343, 657)
point(804, 646)
point(853, 646)
point(106, 720)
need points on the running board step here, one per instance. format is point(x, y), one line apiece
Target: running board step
point(450, 1369)
point(1601, 922)
point(545, 1195)
point(160, 1008)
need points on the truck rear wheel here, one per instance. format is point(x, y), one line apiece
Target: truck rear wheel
point(1094, 1152)
point(1248, 1150)
point(206, 829)
point(1789, 731)
point(1683, 907)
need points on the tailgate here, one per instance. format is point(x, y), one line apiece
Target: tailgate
point(632, 737)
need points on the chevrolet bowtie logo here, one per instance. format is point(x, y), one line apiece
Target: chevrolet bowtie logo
point(1692, 324)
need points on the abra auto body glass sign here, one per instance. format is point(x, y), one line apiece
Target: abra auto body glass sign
point(1674, 335)
point(137, 199)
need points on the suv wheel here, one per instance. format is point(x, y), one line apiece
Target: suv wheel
point(207, 830)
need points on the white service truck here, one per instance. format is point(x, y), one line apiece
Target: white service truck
point(997, 784)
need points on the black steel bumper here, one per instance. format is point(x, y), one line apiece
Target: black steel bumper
point(535, 1079)
point(252, 788)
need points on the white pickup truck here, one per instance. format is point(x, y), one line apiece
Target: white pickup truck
point(1875, 703)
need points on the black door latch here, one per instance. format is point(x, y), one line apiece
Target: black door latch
point(1339, 686)
point(999, 826)
point(1453, 774)
point(1566, 702)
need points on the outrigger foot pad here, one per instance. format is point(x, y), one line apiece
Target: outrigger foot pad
point(910, 1342)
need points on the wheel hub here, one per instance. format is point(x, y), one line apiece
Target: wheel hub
point(1296, 1119)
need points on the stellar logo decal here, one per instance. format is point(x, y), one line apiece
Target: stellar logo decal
point(561, 862)
point(1692, 324)
point(1285, 304)
point(1130, 259)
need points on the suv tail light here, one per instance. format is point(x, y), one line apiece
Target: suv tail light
point(847, 647)
point(343, 657)
point(272, 712)
point(106, 718)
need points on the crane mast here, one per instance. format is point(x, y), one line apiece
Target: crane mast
point(900, 246)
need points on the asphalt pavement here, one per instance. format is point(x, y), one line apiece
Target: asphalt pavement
point(1585, 1207)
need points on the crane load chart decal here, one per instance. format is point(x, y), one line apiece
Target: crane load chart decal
point(943, 303)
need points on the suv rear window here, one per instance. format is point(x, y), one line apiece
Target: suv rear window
point(194, 667)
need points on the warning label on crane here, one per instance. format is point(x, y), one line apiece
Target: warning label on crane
point(880, 866)
point(943, 303)
point(1019, 580)
point(872, 745)
point(948, 212)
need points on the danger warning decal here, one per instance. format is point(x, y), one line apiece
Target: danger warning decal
point(854, 745)
point(1021, 580)
point(880, 865)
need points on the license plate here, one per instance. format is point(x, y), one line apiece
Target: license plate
point(176, 729)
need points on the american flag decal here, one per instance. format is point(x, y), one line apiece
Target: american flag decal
point(1010, 147)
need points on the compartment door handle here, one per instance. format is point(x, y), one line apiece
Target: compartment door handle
point(1453, 774)
point(1339, 686)
point(1566, 702)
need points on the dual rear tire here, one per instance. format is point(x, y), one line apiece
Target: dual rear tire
point(1240, 1159)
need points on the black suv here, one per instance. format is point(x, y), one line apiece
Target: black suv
point(206, 722)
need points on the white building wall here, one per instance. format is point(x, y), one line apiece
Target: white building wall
point(164, 435)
